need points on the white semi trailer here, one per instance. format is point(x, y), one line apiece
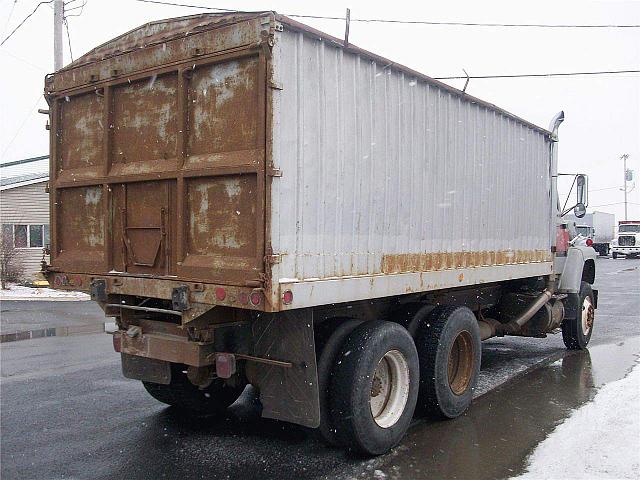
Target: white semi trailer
point(257, 202)
point(599, 227)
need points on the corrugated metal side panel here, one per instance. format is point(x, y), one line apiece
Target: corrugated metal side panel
point(26, 205)
point(382, 173)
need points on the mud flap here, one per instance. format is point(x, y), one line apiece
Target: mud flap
point(287, 393)
point(146, 369)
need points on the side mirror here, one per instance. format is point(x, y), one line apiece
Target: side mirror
point(581, 182)
point(582, 190)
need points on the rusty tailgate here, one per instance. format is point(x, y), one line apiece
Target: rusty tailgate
point(160, 170)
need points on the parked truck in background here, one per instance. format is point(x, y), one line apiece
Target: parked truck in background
point(257, 202)
point(627, 242)
point(599, 227)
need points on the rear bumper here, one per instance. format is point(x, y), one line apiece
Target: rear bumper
point(248, 298)
point(169, 348)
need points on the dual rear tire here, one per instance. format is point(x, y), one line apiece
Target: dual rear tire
point(376, 379)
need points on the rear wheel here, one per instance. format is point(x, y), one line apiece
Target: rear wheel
point(326, 365)
point(449, 349)
point(374, 387)
point(182, 394)
point(577, 326)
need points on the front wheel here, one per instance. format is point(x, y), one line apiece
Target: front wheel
point(577, 326)
point(374, 387)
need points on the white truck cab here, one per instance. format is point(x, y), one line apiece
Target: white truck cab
point(627, 241)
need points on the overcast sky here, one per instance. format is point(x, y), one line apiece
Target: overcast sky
point(602, 112)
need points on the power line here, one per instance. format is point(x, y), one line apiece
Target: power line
point(610, 204)
point(4, 30)
point(25, 61)
point(21, 125)
point(406, 22)
point(66, 27)
point(23, 21)
point(605, 188)
point(78, 7)
point(190, 6)
point(536, 75)
point(467, 24)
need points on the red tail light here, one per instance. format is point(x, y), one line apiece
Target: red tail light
point(117, 342)
point(225, 365)
point(589, 242)
point(287, 297)
point(255, 298)
point(221, 294)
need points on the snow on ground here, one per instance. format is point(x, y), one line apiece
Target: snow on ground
point(18, 292)
point(599, 440)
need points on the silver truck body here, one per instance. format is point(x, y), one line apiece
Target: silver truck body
point(394, 183)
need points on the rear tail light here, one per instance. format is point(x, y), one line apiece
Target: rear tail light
point(255, 298)
point(221, 294)
point(225, 365)
point(287, 297)
point(117, 342)
point(589, 242)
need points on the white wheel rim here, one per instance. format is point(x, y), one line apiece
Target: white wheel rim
point(588, 314)
point(389, 389)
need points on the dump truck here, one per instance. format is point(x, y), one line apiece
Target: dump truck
point(259, 203)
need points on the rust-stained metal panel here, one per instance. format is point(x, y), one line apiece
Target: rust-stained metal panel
point(167, 151)
point(145, 227)
point(81, 231)
point(223, 113)
point(80, 132)
point(144, 127)
point(221, 213)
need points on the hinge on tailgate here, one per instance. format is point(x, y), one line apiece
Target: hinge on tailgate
point(98, 290)
point(272, 259)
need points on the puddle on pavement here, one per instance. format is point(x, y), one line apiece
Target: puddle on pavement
point(493, 439)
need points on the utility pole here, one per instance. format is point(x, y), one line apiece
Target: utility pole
point(58, 16)
point(624, 161)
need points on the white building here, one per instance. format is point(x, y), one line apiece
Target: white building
point(24, 210)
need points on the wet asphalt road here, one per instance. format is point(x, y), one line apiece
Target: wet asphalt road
point(68, 413)
point(22, 315)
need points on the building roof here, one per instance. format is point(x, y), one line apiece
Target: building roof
point(24, 160)
point(22, 180)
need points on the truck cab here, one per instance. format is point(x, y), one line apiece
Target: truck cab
point(586, 231)
point(627, 241)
